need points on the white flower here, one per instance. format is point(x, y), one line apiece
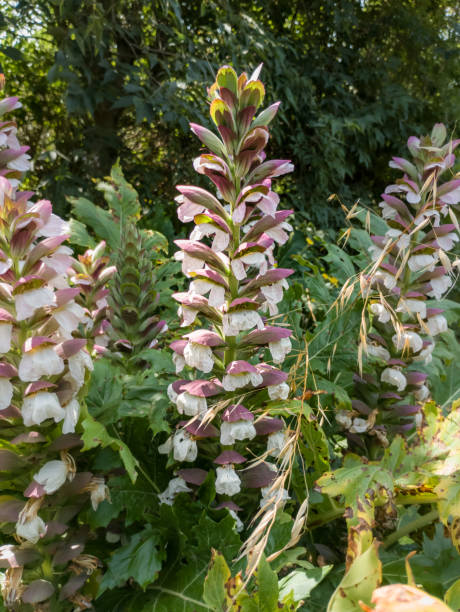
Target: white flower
point(437, 324)
point(199, 356)
point(280, 391)
point(69, 317)
point(447, 242)
point(40, 362)
point(379, 310)
point(276, 442)
point(5, 337)
point(60, 260)
point(274, 294)
point(394, 377)
point(422, 393)
point(52, 475)
point(404, 239)
point(380, 352)
point(30, 301)
point(179, 362)
point(359, 426)
point(78, 364)
point(175, 486)
point(250, 259)
point(227, 481)
point(221, 238)
point(426, 355)
point(386, 278)
point(242, 320)
point(38, 407)
point(375, 252)
point(239, 525)
point(238, 430)
point(185, 449)
point(21, 163)
point(272, 496)
point(31, 529)
point(72, 414)
point(422, 262)
point(280, 349)
point(216, 296)
point(189, 263)
point(439, 286)
point(343, 418)
point(408, 339)
point(388, 212)
point(231, 382)
point(166, 447)
point(98, 492)
point(55, 226)
point(172, 394)
point(191, 405)
point(409, 305)
point(6, 393)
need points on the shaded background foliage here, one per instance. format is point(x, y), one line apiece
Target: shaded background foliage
point(122, 78)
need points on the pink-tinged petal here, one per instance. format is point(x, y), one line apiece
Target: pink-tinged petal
point(240, 367)
point(258, 476)
point(201, 388)
point(229, 456)
point(70, 347)
point(404, 165)
point(10, 413)
point(253, 193)
point(199, 430)
point(416, 378)
point(205, 338)
point(35, 490)
point(5, 316)
point(378, 339)
point(194, 476)
point(35, 342)
point(243, 304)
point(10, 460)
point(7, 370)
point(66, 441)
point(268, 425)
point(64, 296)
point(230, 505)
point(269, 278)
point(212, 219)
point(29, 437)
point(390, 395)
point(208, 138)
point(360, 407)
point(405, 409)
point(237, 412)
point(178, 346)
point(432, 312)
point(266, 223)
point(271, 375)
point(269, 169)
point(203, 253)
point(269, 334)
point(209, 275)
point(9, 511)
point(397, 205)
point(39, 385)
point(397, 362)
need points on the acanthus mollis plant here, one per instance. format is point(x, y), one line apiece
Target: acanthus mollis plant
point(43, 374)
point(235, 288)
point(92, 276)
point(134, 321)
point(411, 269)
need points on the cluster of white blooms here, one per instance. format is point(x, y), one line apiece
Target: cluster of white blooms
point(44, 363)
point(234, 286)
point(411, 269)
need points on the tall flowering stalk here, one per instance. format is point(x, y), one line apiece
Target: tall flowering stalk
point(235, 288)
point(43, 369)
point(411, 268)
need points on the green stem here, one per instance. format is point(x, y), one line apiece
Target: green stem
point(415, 525)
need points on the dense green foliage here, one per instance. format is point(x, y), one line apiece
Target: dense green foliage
point(122, 78)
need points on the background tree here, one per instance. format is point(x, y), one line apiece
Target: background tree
point(353, 77)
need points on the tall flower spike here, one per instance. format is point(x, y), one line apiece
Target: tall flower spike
point(133, 300)
point(234, 287)
point(43, 368)
point(411, 268)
